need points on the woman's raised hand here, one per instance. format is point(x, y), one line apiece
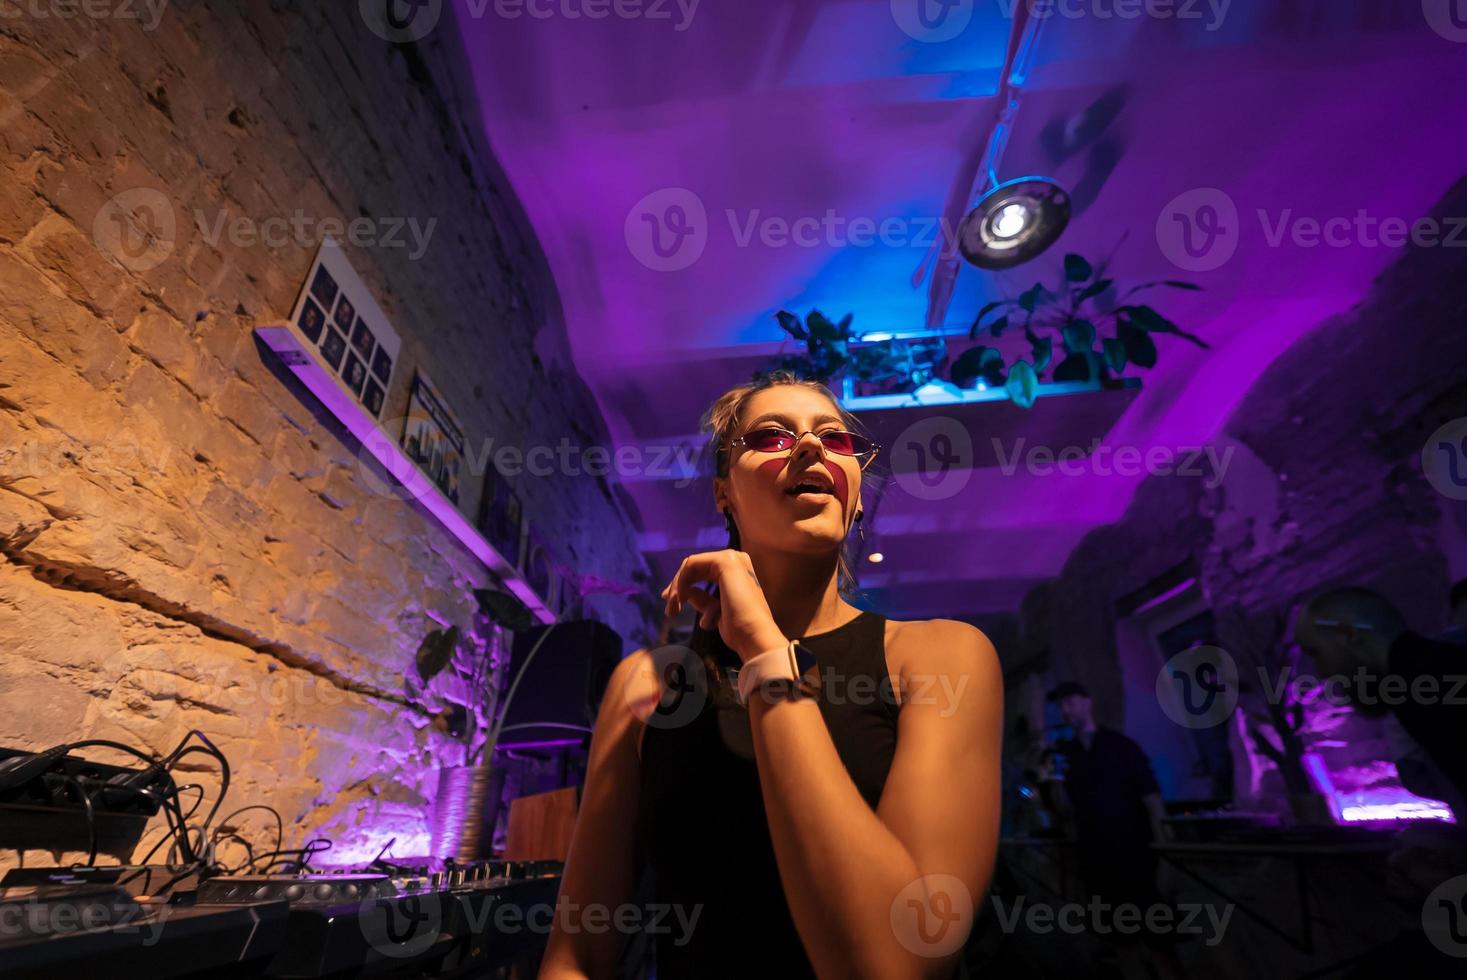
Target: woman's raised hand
point(739, 611)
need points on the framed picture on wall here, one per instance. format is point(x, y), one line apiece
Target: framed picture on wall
point(344, 329)
point(501, 517)
point(433, 438)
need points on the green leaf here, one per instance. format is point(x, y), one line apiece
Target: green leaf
point(1115, 354)
point(990, 307)
point(1140, 348)
point(1077, 269)
point(1043, 352)
point(1076, 367)
point(1169, 283)
point(821, 327)
point(1094, 289)
point(505, 608)
point(1148, 319)
point(435, 652)
point(1022, 384)
point(987, 309)
point(977, 362)
point(1032, 297)
point(792, 325)
point(1079, 336)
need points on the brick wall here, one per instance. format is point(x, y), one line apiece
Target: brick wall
point(188, 541)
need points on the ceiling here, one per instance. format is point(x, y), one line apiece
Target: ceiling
point(830, 112)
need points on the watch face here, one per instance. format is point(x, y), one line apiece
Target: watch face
point(804, 658)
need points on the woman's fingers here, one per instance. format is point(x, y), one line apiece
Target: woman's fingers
point(702, 567)
point(707, 605)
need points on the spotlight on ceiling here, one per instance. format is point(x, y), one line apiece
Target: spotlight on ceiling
point(1014, 222)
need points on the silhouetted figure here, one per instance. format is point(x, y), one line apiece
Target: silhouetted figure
point(1116, 803)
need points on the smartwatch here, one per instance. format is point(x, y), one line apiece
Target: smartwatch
point(784, 665)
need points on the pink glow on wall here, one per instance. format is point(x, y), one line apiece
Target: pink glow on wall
point(1390, 803)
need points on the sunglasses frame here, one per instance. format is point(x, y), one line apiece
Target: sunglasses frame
point(863, 458)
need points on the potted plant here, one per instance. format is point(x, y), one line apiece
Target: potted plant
point(467, 804)
point(1099, 333)
point(833, 351)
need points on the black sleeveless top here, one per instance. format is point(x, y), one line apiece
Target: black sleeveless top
point(702, 826)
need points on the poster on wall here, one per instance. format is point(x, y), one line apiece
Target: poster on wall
point(345, 330)
point(501, 518)
point(432, 437)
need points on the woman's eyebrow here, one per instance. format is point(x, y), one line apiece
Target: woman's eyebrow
point(785, 419)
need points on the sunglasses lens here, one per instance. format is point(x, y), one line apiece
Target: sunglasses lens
point(768, 440)
point(846, 443)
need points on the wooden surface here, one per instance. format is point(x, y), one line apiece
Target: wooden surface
point(540, 826)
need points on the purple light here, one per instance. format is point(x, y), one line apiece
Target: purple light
point(549, 743)
point(1390, 803)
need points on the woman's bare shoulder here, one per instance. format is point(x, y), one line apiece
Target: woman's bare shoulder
point(937, 644)
point(636, 684)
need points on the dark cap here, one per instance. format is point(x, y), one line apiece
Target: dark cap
point(1064, 689)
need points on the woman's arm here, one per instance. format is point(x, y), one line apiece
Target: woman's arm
point(891, 893)
point(599, 870)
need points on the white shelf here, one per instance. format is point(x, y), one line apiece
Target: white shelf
point(382, 445)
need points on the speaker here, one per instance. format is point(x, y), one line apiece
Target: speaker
point(563, 684)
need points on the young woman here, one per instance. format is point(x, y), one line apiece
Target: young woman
point(841, 819)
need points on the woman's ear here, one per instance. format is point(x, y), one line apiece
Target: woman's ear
point(720, 493)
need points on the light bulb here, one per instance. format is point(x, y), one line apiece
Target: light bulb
point(1011, 220)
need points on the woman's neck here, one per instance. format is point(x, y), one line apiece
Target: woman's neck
point(802, 592)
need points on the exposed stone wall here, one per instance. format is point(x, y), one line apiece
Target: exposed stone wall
point(187, 540)
point(1325, 486)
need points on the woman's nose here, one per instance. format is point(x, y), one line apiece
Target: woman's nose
point(808, 444)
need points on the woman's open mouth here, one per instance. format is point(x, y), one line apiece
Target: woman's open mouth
point(813, 487)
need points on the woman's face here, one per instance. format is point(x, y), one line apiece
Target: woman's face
point(761, 488)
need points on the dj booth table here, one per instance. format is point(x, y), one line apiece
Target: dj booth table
point(473, 921)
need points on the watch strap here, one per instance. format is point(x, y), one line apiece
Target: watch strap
point(786, 664)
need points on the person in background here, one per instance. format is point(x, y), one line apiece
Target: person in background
point(1115, 801)
point(1115, 805)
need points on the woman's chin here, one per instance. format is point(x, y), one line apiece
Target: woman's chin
point(822, 531)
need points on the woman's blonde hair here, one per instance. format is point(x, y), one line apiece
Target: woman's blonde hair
point(721, 422)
